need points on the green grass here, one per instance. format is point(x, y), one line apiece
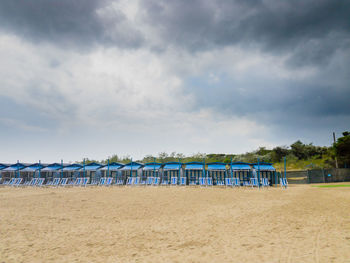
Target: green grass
point(332, 185)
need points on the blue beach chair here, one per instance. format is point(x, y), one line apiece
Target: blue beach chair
point(173, 180)
point(149, 180)
point(182, 180)
point(284, 182)
point(102, 181)
point(210, 181)
point(236, 182)
point(156, 180)
point(228, 182)
point(202, 181)
point(129, 181)
point(85, 181)
point(63, 182)
point(109, 181)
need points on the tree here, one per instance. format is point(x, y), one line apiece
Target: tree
point(342, 149)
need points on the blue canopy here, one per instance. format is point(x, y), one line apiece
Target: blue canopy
point(34, 167)
point(114, 166)
point(132, 165)
point(240, 166)
point(53, 167)
point(194, 166)
point(172, 166)
point(92, 167)
point(216, 166)
point(15, 167)
point(72, 167)
point(152, 166)
point(3, 166)
point(264, 166)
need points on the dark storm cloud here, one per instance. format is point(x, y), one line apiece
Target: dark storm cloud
point(68, 23)
point(312, 30)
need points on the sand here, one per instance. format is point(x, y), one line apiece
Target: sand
point(166, 224)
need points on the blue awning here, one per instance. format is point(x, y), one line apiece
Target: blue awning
point(114, 166)
point(133, 166)
point(53, 167)
point(240, 166)
point(72, 167)
point(216, 166)
point(92, 167)
point(15, 167)
point(172, 166)
point(264, 167)
point(33, 167)
point(3, 166)
point(194, 166)
point(152, 166)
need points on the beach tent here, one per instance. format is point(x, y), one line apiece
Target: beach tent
point(193, 171)
point(114, 168)
point(150, 170)
point(171, 170)
point(241, 170)
point(33, 171)
point(14, 169)
point(54, 170)
point(72, 171)
point(132, 169)
point(265, 170)
point(92, 170)
point(2, 167)
point(217, 172)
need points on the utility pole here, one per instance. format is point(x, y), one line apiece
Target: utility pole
point(336, 161)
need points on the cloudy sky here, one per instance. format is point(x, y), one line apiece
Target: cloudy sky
point(89, 78)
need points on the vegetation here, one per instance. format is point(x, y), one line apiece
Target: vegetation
point(298, 155)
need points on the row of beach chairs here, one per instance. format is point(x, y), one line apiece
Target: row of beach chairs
point(107, 181)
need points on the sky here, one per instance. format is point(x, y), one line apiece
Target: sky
point(89, 79)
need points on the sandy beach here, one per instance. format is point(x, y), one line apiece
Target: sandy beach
point(166, 224)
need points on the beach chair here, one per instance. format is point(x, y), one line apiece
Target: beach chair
point(109, 181)
point(129, 181)
point(265, 182)
point(236, 182)
point(63, 182)
point(40, 182)
point(254, 182)
point(192, 182)
point(165, 182)
point(228, 182)
point(174, 180)
point(149, 180)
point(156, 180)
point(94, 182)
point(55, 181)
point(85, 181)
point(78, 181)
point(33, 181)
point(283, 182)
point(202, 181)
point(136, 181)
point(210, 181)
point(119, 181)
point(220, 183)
point(182, 180)
point(6, 182)
point(12, 181)
point(18, 182)
point(102, 181)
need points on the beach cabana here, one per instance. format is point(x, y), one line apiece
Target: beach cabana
point(2, 167)
point(241, 170)
point(265, 170)
point(14, 170)
point(53, 170)
point(150, 171)
point(132, 170)
point(193, 171)
point(217, 172)
point(171, 170)
point(33, 171)
point(114, 168)
point(92, 170)
point(71, 171)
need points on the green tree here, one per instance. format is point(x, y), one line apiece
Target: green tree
point(342, 149)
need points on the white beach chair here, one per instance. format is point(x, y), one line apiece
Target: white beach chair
point(12, 181)
point(165, 182)
point(202, 181)
point(78, 181)
point(254, 182)
point(55, 181)
point(136, 181)
point(130, 181)
point(102, 181)
point(220, 183)
point(236, 182)
point(40, 182)
point(17, 182)
point(265, 182)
